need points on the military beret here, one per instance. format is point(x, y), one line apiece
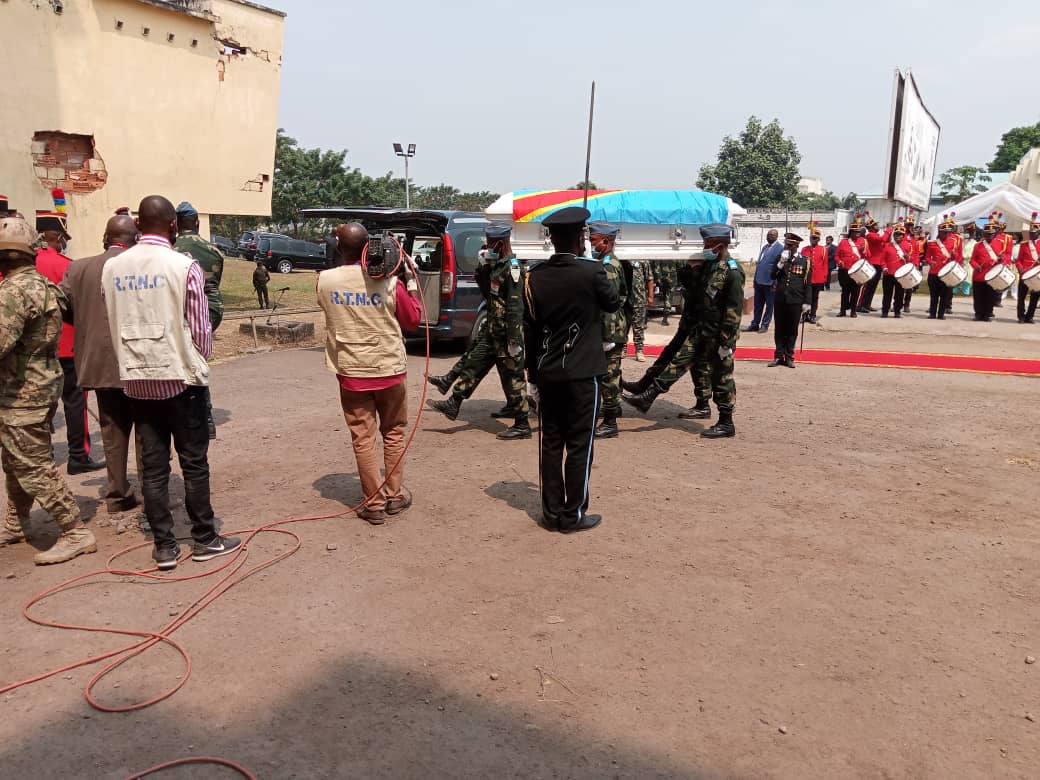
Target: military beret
point(185, 209)
point(498, 230)
point(716, 231)
point(602, 229)
point(16, 236)
point(572, 216)
point(792, 237)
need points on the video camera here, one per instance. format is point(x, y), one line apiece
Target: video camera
point(384, 254)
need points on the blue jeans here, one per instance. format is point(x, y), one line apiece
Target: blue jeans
point(763, 300)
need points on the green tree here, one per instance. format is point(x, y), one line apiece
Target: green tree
point(759, 168)
point(853, 203)
point(811, 201)
point(448, 198)
point(581, 185)
point(962, 182)
point(1013, 146)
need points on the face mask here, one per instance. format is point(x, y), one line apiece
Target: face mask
point(596, 254)
point(711, 255)
point(491, 254)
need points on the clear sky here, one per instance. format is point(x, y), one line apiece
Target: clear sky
point(495, 94)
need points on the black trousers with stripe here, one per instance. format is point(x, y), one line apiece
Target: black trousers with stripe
point(568, 418)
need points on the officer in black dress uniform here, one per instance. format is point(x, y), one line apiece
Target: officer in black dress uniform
point(565, 298)
point(792, 301)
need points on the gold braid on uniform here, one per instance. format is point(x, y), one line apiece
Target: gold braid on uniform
point(528, 300)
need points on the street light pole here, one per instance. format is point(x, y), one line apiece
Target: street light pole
point(400, 151)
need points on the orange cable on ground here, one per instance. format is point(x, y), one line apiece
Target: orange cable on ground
point(235, 565)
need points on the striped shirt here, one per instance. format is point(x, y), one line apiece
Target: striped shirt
point(196, 312)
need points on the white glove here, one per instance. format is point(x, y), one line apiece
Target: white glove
point(608, 345)
point(532, 392)
point(781, 264)
point(514, 349)
point(805, 308)
point(482, 256)
point(725, 352)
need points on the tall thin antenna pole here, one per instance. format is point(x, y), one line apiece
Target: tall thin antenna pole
point(588, 149)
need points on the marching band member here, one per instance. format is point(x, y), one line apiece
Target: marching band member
point(984, 257)
point(936, 255)
point(817, 255)
point(1028, 258)
point(876, 241)
point(897, 252)
point(850, 251)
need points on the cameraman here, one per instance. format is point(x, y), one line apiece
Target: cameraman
point(364, 346)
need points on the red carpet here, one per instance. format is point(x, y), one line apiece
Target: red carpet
point(919, 360)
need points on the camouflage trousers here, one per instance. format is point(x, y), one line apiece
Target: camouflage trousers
point(638, 297)
point(712, 375)
point(610, 383)
point(475, 355)
point(489, 350)
point(30, 473)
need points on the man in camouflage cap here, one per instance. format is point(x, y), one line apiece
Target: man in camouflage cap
point(31, 381)
point(190, 243)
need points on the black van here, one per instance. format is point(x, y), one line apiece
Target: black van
point(285, 254)
point(445, 247)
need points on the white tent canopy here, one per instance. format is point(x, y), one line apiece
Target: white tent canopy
point(1016, 204)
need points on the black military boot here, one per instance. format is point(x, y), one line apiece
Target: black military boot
point(608, 428)
point(644, 400)
point(443, 383)
point(449, 408)
point(638, 386)
point(664, 320)
point(521, 430)
point(505, 413)
point(724, 428)
point(702, 411)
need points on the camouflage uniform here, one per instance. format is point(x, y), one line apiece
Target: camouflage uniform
point(615, 329)
point(30, 385)
point(722, 304)
point(637, 301)
point(208, 256)
point(665, 274)
point(474, 359)
point(505, 326)
point(689, 356)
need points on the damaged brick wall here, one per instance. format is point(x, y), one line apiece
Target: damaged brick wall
point(69, 161)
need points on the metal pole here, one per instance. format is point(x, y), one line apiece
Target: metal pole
point(407, 196)
point(588, 148)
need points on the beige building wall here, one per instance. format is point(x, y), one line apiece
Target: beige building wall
point(1027, 174)
point(181, 99)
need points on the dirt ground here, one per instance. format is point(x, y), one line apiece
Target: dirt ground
point(847, 589)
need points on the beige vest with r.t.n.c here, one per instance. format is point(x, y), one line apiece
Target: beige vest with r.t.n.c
point(362, 336)
point(145, 289)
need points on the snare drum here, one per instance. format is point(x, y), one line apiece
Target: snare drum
point(908, 276)
point(861, 272)
point(1000, 277)
point(1031, 279)
point(952, 274)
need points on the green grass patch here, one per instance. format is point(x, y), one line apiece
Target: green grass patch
point(237, 287)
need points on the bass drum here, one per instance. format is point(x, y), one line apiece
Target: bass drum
point(908, 276)
point(952, 274)
point(861, 272)
point(1031, 279)
point(1000, 277)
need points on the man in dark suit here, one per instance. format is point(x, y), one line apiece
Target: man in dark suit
point(95, 359)
point(565, 298)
